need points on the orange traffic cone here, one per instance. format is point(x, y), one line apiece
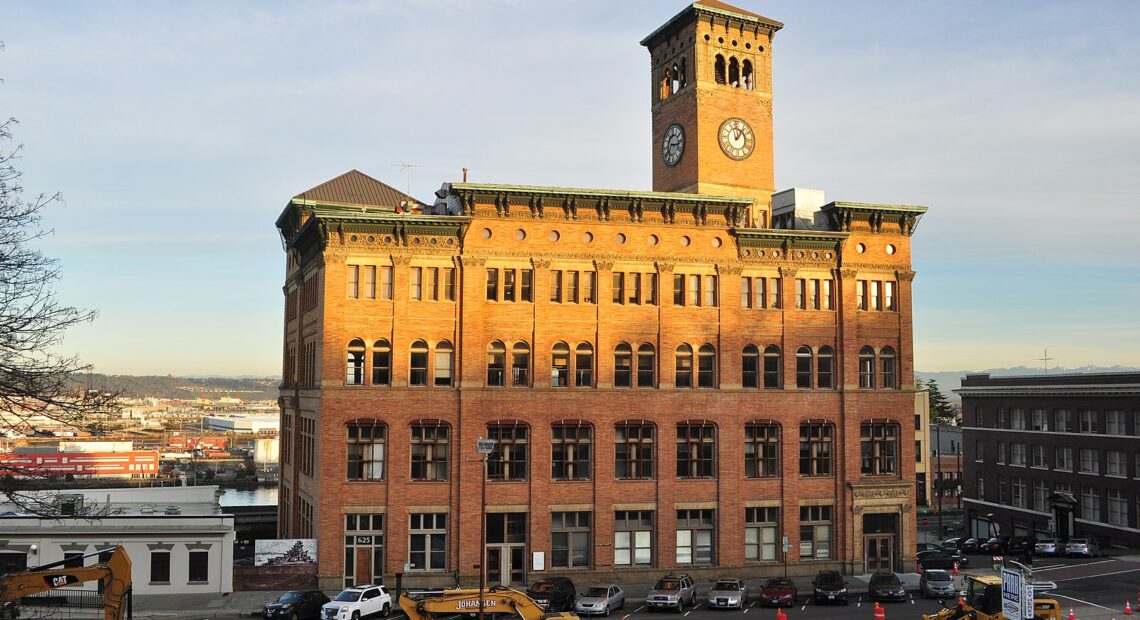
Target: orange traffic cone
point(780, 615)
point(1072, 616)
point(1127, 608)
point(879, 613)
point(955, 568)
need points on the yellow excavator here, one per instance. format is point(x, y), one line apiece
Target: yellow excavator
point(496, 600)
point(114, 573)
point(983, 602)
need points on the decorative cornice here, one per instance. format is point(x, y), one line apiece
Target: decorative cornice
point(844, 216)
point(664, 267)
point(603, 265)
point(540, 263)
point(729, 270)
point(788, 272)
point(468, 260)
point(905, 276)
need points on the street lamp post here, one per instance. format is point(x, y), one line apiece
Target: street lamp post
point(941, 482)
point(484, 447)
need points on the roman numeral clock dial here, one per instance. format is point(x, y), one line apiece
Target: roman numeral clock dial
point(736, 138)
point(673, 145)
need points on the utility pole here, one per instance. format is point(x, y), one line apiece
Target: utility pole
point(484, 447)
point(938, 460)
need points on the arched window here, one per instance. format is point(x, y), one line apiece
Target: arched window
point(417, 366)
point(719, 69)
point(560, 365)
point(825, 369)
point(354, 374)
point(748, 80)
point(733, 72)
point(684, 77)
point(867, 368)
point(887, 364)
point(365, 449)
point(381, 363)
point(666, 85)
point(706, 366)
point(444, 362)
point(676, 73)
point(773, 379)
point(646, 366)
point(520, 364)
point(684, 377)
point(750, 367)
point(496, 364)
point(584, 365)
point(803, 368)
point(623, 366)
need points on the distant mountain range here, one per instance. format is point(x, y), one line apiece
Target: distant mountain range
point(948, 381)
point(182, 388)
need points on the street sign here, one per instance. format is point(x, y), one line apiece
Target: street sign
point(1016, 595)
point(484, 446)
point(787, 545)
point(925, 521)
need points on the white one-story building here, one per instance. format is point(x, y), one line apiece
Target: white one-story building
point(178, 538)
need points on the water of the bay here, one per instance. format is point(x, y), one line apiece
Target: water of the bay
point(258, 496)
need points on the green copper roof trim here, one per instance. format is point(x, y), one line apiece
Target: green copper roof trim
point(870, 206)
point(544, 190)
point(754, 237)
point(697, 6)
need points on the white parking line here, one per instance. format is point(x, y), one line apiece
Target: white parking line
point(1119, 572)
point(1115, 611)
point(638, 609)
point(912, 599)
point(859, 603)
point(1037, 570)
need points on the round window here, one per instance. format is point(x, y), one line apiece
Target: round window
point(486, 234)
point(620, 238)
point(520, 234)
point(554, 236)
point(685, 241)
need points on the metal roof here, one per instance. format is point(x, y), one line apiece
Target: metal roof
point(354, 188)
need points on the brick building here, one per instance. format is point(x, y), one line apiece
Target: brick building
point(1053, 455)
point(682, 377)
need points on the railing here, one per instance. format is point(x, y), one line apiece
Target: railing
point(64, 598)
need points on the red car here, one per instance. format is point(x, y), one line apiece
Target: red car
point(779, 592)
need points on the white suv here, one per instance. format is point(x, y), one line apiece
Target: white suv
point(357, 602)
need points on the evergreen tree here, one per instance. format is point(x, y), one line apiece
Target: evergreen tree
point(941, 410)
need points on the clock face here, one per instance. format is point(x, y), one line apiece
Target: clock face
point(673, 145)
point(736, 138)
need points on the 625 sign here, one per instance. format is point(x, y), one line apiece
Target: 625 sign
point(58, 581)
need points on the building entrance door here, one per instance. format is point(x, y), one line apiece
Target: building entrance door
point(878, 553)
point(506, 565)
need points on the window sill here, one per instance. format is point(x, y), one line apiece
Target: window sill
point(570, 480)
point(363, 480)
point(1117, 476)
point(198, 583)
point(647, 479)
point(159, 583)
point(1089, 473)
point(414, 480)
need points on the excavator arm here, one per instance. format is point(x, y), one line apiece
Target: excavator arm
point(114, 573)
point(497, 600)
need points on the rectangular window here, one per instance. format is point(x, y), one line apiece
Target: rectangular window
point(1117, 508)
point(1017, 419)
point(761, 531)
point(710, 292)
point(492, 285)
point(526, 292)
point(365, 450)
point(1018, 499)
point(633, 538)
point(761, 450)
point(447, 280)
point(693, 292)
point(696, 446)
point(198, 566)
point(1041, 496)
point(572, 287)
point(876, 296)
point(160, 567)
point(1017, 454)
point(1090, 504)
point(368, 282)
point(981, 482)
point(427, 549)
point(635, 288)
point(589, 287)
point(1001, 453)
point(429, 452)
point(760, 293)
point(386, 282)
point(509, 283)
point(570, 540)
point(1088, 421)
point(1090, 461)
point(1063, 459)
point(1039, 456)
point(878, 445)
point(633, 451)
point(431, 283)
point(556, 286)
point(353, 281)
point(815, 449)
point(1064, 419)
point(1116, 463)
point(619, 288)
point(570, 452)
point(775, 293)
point(815, 532)
point(828, 295)
point(1114, 423)
point(889, 295)
point(651, 288)
point(801, 294)
point(1039, 419)
point(745, 292)
point(508, 461)
point(813, 295)
point(417, 281)
point(979, 450)
point(861, 294)
point(695, 533)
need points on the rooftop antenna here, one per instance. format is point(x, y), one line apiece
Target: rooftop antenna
point(406, 167)
point(1046, 360)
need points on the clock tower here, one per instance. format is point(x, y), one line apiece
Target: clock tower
point(712, 104)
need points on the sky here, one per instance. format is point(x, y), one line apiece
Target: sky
point(178, 131)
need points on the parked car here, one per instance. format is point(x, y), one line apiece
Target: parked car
point(935, 559)
point(885, 587)
point(779, 592)
point(928, 547)
point(553, 593)
point(829, 587)
point(936, 584)
point(1019, 545)
point(358, 602)
point(672, 591)
point(994, 545)
point(296, 605)
point(1049, 546)
point(1084, 547)
point(728, 594)
point(961, 544)
point(600, 600)
point(950, 546)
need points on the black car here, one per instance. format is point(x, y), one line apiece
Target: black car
point(1019, 545)
point(995, 545)
point(829, 587)
point(886, 587)
point(928, 547)
point(296, 605)
point(961, 544)
point(935, 559)
point(553, 594)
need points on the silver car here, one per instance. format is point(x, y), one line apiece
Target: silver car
point(1083, 547)
point(1049, 546)
point(937, 584)
point(600, 600)
point(728, 594)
